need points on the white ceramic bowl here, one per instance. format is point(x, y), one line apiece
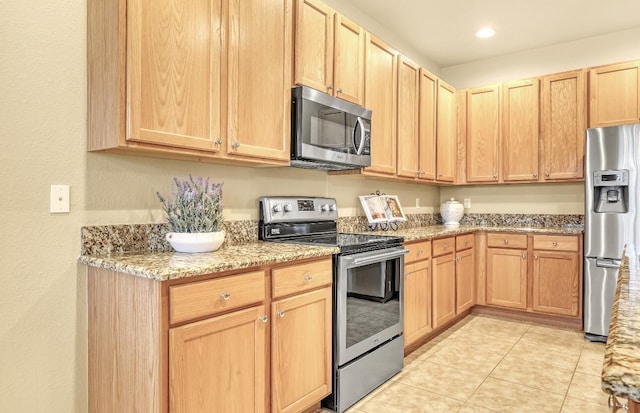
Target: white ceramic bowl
point(195, 242)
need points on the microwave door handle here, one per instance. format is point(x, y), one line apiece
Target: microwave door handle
point(359, 148)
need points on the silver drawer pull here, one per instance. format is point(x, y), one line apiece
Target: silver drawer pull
point(535, 256)
point(281, 313)
point(524, 256)
point(420, 252)
point(506, 241)
point(225, 295)
point(555, 244)
point(263, 318)
point(308, 277)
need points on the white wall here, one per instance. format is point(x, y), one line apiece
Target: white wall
point(594, 51)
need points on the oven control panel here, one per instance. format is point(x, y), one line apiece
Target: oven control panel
point(297, 209)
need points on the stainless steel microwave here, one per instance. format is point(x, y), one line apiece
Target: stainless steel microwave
point(328, 133)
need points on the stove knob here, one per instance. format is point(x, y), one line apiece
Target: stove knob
point(277, 208)
point(333, 207)
point(288, 208)
point(324, 207)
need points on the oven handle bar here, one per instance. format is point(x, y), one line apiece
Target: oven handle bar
point(379, 257)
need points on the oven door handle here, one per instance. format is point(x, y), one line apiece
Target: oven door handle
point(379, 257)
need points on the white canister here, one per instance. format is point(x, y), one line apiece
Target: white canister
point(451, 211)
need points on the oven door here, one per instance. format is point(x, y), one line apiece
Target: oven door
point(368, 301)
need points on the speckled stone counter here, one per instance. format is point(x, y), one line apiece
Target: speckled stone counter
point(163, 266)
point(437, 231)
point(621, 368)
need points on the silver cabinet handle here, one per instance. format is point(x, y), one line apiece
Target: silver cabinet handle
point(408, 274)
point(308, 277)
point(524, 256)
point(555, 244)
point(445, 246)
point(281, 313)
point(546, 174)
point(225, 295)
point(420, 251)
point(329, 87)
point(218, 141)
point(535, 256)
point(439, 175)
point(506, 241)
point(235, 144)
point(495, 176)
point(535, 175)
point(263, 318)
point(339, 90)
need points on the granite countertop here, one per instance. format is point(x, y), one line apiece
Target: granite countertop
point(621, 368)
point(436, 231)
point(164, 266)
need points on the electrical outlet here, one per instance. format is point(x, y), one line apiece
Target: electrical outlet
point(467, 203)
point(417, 202)
point(59, 199)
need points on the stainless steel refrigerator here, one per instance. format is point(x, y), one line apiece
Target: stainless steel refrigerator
point(612, 159)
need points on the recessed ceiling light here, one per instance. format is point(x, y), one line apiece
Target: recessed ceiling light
point(485, 32)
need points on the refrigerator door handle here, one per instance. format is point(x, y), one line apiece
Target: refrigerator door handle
point(607, 263)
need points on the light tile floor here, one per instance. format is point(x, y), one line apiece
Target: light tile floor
point(487, 364)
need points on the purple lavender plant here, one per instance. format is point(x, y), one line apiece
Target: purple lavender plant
point(196, 207)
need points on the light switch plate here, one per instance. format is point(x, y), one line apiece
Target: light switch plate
point(59, 199)
point(467, 203)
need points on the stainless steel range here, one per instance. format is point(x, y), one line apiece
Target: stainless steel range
point(368, 345)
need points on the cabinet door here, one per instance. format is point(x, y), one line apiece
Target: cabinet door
point(174, 73)
point(520, 138)
point(507, 277)
point(446, 139)
point(556, 282)
point(259, 79)
point(465, 280)
point(444, 289)
point(408, 77)
point(563, 124)
point(380, 96)
point(301, 350)
point(349, 60)
point(314, 45)
point(483, 134)
point(218, 364)
point(427, 126)
point(614, 94)
point(417, 301)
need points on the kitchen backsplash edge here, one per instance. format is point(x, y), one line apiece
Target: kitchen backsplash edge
point(148, 238)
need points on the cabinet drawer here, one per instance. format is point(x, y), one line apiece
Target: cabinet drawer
point(417, 251)
point(302, 277)
point(507, 240)
point(464, 242)
point(204, 298)
point(443, 246)
point(555, 242)
point(415, 267)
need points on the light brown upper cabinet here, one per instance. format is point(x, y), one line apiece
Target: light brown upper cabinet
point(483, 134)
point(563, 122)
point(614, 94)
point(329, 51)
point(427, 126)
point(381, 97)
point(446, 133)
point(214, 84)
point(407, 123)
point(520, 101)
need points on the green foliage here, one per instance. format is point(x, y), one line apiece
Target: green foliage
point(196, 207)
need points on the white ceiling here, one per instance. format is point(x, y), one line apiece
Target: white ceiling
point(444, 31)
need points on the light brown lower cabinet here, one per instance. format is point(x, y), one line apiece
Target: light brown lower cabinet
point(218, 364)
point(417, 301)
point(300, 350)
point(444, 282)
point(212, 345)
point(537, 273)
point(507, 277)
point(465, 280)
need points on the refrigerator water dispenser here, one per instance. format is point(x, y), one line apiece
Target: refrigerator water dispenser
point(611, 191)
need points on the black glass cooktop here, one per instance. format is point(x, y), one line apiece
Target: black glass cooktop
point(348, 242)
